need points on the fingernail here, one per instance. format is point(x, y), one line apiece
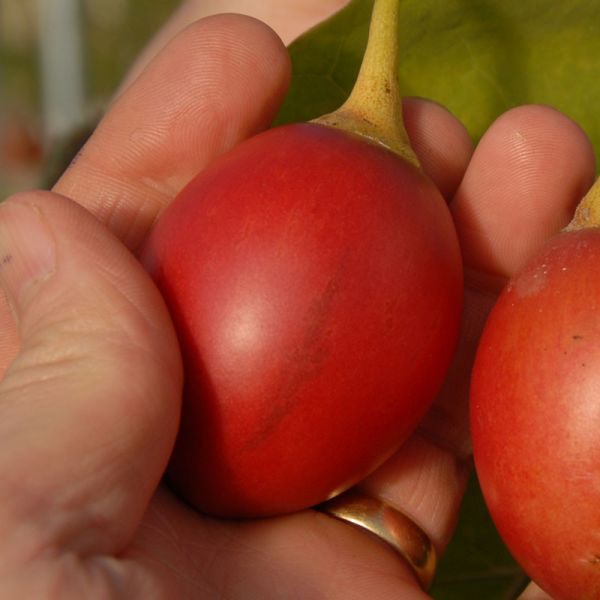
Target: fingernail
point(27, 250)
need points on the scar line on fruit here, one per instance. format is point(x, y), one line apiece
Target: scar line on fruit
point(307, 357)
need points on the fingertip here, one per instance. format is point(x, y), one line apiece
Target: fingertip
point(225, 44)
point(239, 43)
point(426, 482)
point(218, 69)
point(440, 140)
point(528, 172)
point(535, 137)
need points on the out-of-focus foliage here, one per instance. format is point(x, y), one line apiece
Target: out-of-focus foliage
point(113, 32)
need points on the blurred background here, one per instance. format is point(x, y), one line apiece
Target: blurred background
point(60, 62)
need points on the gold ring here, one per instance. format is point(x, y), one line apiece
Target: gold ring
point(390, 525)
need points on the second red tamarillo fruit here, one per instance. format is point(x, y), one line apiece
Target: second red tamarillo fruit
point(535, 411)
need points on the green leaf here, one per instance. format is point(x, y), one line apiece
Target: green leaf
point(325, 63)
point(477, 563)
point(477, 58)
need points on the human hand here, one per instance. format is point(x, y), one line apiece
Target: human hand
point(90, 403)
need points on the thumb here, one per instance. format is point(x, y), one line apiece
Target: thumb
point(89, 407)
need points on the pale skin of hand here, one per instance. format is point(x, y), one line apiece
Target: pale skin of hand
point(90, 400)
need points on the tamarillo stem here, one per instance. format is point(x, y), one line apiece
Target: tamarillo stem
point(374, 108)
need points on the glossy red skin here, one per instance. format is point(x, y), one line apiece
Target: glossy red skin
point(315, 283)
point(535, 416)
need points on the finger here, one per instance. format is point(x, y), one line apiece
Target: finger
point(304, 555)
point(219, 81)
point(89, 407)
point(426, 482)
point(288, 19)
point(527, 173)
point(441, 142)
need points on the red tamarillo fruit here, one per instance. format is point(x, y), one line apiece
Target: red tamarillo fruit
point(535, 411)
point(314, 277)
